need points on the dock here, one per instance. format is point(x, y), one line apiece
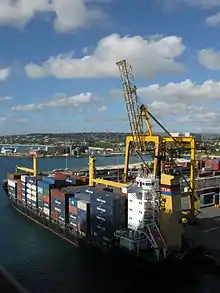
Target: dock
point(8, 284)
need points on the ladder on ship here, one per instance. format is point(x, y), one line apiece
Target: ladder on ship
point(156, 240)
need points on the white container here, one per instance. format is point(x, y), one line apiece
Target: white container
point(46, 211)
point(34, 193)
point(40, 190)
point(12, 182)
point(82, 205)
point(23, 178)
point(33, 187)
point(29, 196)
point(28, 185)
point(124, 190)
point(29, 190)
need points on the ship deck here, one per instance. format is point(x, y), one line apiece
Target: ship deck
point(8, 284)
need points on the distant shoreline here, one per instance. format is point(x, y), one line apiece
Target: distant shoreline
point(58, 156)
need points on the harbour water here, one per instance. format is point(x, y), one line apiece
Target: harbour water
point(44, 263)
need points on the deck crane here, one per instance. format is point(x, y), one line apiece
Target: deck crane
point(136, 115)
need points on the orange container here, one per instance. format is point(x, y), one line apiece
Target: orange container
point(46, 199)
point(73, 210)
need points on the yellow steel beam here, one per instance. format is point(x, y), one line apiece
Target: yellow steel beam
point(110, 183)
point(33, 171)
point(28, 170)
point(144, 138)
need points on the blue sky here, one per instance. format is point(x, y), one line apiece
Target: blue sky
point(58, 71)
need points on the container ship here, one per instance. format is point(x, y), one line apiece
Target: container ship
point(96, 219)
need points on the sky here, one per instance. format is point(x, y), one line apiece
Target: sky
point(58, 69)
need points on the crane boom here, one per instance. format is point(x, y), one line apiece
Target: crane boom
point(131, 100)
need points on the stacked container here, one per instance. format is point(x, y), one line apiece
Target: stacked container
point(32, 191)
point(83, 217)
point(108, 213)
point(57, 183)
point(59, 205)
point(19, 189)
point(12, 188)
point(73, 212)
point(24, 179)
point(43, 189)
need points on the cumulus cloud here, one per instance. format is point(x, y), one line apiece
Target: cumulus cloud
point(147, 56)
point(213, 20)
point(209, 59)
point(58, 101)
point(184, 102)
point(6, 98)
point(4, 73)
point(102, 109)
point(206, 4)
point(69, 14)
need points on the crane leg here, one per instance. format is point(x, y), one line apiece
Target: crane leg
point(126, 164)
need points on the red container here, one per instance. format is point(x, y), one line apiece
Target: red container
point(73, 210)
point(216, 173)
point(55, 215)
point(46, 199)
point(215, 165)
point(74, 188)
point(205, 174)
point(59, 176)
point(57, 193)
point(208, 164)
point(14, 176)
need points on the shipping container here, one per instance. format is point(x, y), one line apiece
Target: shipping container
point(14, 176)
point(82, 196)
point(55, 182)
point(83, 219)
point(24, 178)
point(207, 198)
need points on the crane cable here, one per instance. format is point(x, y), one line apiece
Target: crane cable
point(168, 151)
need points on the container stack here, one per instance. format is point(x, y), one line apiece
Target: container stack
point(19, 189)
point(32, 191)
point(73, 212)
point(107, 214)
point(56, 183)
point(59, 205)
point(24, 179)
point(12, 188)
point(83, 217)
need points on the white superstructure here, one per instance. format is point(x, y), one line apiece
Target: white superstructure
point(143, 216)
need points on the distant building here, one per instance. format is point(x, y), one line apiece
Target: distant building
point(7, 150)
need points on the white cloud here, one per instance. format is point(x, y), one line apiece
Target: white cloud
point(147, 56)
point(206, 4)
point(69, 14)
point(183, 105)
point(209, 59)
point(213, 20)
point(58, 101)
point(4, 73)
point(102, 109)
point(6, 98)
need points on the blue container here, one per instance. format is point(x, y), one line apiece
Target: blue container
point(73, 220)
point(43, 184)
point(103, 208)
point(71, 181)
point(103, 197)
point(73, 201)
point(55, 182)
point(46, 204)
point(82, 196)
point(33, 180)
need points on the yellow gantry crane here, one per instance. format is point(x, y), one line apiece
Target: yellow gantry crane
point(137, 116)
